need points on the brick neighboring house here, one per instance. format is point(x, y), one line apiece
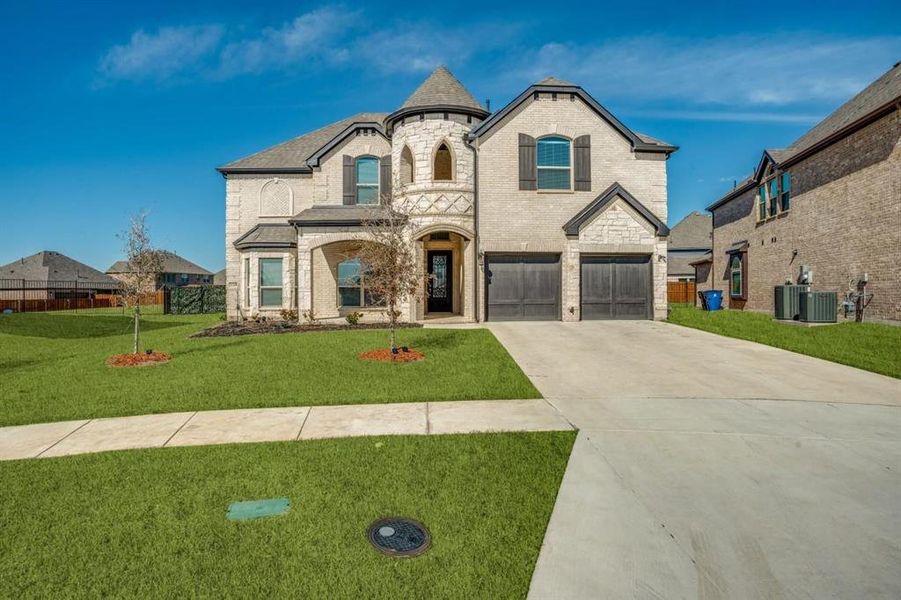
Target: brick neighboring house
point(830, 203)
point(690, 240)
point(550, 208)
point(177, 272)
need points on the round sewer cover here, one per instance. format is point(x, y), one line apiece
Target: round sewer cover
point(398, 536)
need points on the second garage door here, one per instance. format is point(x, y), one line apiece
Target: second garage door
point(616, 287)
point(523, 287)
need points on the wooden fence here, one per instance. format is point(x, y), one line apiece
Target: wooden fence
point(681, 292)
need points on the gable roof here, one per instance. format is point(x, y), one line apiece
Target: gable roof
point(873, 102)
point(606, 198)
point(640, 143)
point(693, 231)
point(441, 88)
point(219, 277)
point(172, 263)
point(292, 156)
point(49, 265)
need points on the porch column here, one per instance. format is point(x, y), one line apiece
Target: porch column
point(304, 275)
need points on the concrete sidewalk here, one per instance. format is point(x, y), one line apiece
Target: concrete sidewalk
point(276, 424)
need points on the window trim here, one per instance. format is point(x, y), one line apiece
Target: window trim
point(262, 287)
point(378, 180)
point(740, 270)
point(570, 168)
point(247, 281)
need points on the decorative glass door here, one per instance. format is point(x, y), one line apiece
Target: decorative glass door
point(440, 284)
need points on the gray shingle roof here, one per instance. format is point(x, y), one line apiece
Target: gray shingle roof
point(555, 81)
point(441, 88)
point(336, 215)
point(53, 266)
point(692, 232)
point(879, 93)
point(295, 152)
point(219, 277)
point(680, 264)
point(268, 235)
point(172, 263)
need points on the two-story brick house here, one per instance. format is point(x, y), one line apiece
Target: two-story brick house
point(549, 208)
point(826, 209)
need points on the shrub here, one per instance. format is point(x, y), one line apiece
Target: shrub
point(354, 317)
point(288, 314)
point(309, 316)
point(197, 300)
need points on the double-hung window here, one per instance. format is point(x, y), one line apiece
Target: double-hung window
point(246, 282)
point(270, 282)
point(786, 191)
point(736, 277)
point(554, 160)
point(774, 196)
point(761, 203)
point(352, 290)
point(367, 180)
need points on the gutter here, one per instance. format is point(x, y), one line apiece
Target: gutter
point(475, 228)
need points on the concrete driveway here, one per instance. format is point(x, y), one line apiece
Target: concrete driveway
point(708, 467)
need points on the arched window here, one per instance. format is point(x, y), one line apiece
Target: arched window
point(352, 289)
point(367, 170)
point(444, 168)
point(554, 163)
point(406, 166)
point(275, 199)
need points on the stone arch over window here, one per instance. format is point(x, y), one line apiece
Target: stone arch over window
point(276, 199)
point(443, 163)
point(406, 166)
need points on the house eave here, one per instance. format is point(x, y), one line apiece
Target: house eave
point(596, 206)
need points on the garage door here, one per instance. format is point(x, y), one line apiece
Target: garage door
point(523, 287)
point(616, 287)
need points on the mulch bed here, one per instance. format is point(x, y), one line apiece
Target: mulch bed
point(231, 328)
point(385, 355)
point(141, 359)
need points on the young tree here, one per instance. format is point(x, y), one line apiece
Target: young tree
point(389, 259)
point(145, 263)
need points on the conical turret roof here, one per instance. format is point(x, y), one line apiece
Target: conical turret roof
point(441, 88)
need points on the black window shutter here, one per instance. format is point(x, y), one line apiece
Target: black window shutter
point(385, 180)
point(350, 180)
point(582, 159)
point(528, 178)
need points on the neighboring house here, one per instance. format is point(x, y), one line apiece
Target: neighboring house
point(52, 275)
point(550, 208)
point(219, 277)
point(689, 240)
point(177, 272)
point(827, 208)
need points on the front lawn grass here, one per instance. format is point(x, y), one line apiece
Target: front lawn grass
point(870, 346)
point(53, 368)
point(151, 523)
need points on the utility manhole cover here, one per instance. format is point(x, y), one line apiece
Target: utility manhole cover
point(397, 536)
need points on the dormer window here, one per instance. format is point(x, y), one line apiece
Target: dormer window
point(554, 163)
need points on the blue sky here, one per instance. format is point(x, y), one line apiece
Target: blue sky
point(110, 108)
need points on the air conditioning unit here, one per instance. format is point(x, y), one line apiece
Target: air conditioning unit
point(787, 301)
point(818, 307)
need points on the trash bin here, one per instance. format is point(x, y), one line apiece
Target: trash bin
point(713, 299)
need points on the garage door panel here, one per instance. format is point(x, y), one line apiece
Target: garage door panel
point(523, 288)
point(615, 287)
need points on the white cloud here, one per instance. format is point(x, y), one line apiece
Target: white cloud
point(169, 52)
point(738, 71)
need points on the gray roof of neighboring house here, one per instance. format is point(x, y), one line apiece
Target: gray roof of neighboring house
point(172, 263)
point(325, 216)
point(681, 265)
point(294, 153)
point(694, 231)
point(219, 277)
point(883, 91)
point(441, 88)
point(555, 81)
point(53, 266)
point(268, 235)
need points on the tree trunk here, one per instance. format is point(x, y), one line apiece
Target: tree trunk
point(392, 326)
point(137, 326)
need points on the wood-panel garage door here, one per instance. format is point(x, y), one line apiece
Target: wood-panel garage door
point(522, 287)
point(616, 287)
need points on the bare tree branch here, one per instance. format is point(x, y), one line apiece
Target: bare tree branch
point(145, 263)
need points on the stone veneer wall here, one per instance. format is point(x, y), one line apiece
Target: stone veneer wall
point(845, 219)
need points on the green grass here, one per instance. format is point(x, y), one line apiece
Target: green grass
point(870, 346)
point(53, 368)
point(151, 523)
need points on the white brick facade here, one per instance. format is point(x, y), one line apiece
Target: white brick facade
point(453, 215)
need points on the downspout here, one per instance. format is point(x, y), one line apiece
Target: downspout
point(475, 228)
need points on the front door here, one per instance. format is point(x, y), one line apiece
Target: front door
point(440, 284)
